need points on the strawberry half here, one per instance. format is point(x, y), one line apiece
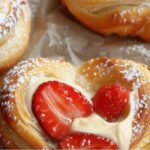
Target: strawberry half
point(56, 104)
point(86, 141)
point(110, 101)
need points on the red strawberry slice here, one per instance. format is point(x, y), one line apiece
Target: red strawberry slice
point(110, 101)
point(56, 104)
point(87, 141)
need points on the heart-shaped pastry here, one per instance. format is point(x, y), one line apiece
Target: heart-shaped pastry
point(104, 103)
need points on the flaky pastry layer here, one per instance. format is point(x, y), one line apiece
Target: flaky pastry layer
point(17, 128)
point(121, 17)
point(14, 44)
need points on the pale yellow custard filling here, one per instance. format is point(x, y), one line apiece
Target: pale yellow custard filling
point(120, 132)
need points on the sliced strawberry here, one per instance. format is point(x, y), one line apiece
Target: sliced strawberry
point(87, 141)
point(56, 104)
point(110, 101)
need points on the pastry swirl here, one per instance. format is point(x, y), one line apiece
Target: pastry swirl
point(124, 18)
point(10, 12)
point(19, 129)
point(14, 31)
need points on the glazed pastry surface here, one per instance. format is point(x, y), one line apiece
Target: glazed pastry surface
point(124, 18)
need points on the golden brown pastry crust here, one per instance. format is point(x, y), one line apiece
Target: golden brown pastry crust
point(14, 39)
point(131, 75)
point(124, 18)
point(20, 120)
point(17, 126)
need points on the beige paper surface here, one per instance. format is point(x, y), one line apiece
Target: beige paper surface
point(56, 35)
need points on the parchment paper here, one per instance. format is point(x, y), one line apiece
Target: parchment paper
point(57, 35)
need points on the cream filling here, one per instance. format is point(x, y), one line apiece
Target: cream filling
point(35, 81)
point(120, 132)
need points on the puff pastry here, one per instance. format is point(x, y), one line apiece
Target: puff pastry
point(19, 128)
point(14, 31)
point(124, 18)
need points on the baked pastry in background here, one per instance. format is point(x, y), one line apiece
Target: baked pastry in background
point(121, 17)
point(54, 104)
point(14, 31)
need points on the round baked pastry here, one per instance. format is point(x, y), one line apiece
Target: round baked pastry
point(14, 31)
point(104, 103)
point(124, 18)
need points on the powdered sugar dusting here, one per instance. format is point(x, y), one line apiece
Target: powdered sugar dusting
point(141, 103)
point(21, 74)
point(10, 13)
point(132, 74)
point(14, 79)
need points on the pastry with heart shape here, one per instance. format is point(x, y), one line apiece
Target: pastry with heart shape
point(52, 104)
